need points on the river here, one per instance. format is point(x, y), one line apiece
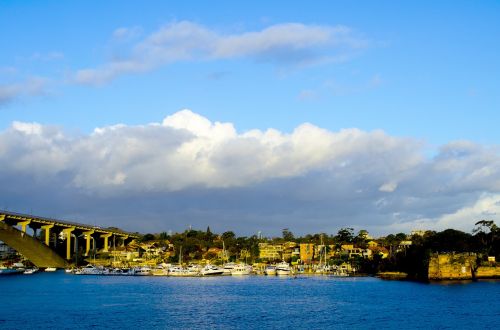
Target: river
point(59, 300)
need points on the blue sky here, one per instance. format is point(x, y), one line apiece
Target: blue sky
point(422, 72)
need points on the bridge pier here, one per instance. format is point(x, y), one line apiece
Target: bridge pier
point(23, 225)
point(88, 237)
point(106, 241)
point(67, 233)
point(47, 228)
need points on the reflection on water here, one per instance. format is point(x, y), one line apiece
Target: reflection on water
point(68, 301)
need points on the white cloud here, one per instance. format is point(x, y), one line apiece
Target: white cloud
point(388, 187)
point(308, 178)
point(127, 33)
point(29, 87)
point(292, 43)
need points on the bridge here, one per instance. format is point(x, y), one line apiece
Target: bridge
point(42, 248)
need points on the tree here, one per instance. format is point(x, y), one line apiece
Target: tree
point(287, 235)
point(360, 239)
point(345, 235)
point(228, 235)
point(487, 238)
point(148, 237)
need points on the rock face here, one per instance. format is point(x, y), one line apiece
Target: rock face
point(38, 253)
point(459, 266)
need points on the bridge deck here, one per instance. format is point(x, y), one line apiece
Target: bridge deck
point(64, 223)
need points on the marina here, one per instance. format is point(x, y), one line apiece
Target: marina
point(191, 270)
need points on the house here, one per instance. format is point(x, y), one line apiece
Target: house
point(270, 252)
point(372, 244)
point(345, 247)
point(403, 245)
point(288, 250)
point(306, 252)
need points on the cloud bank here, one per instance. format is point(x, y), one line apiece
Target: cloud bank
point(187, 169)
point(288, 43)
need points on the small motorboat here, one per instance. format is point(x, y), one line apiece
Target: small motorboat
point(30, 271)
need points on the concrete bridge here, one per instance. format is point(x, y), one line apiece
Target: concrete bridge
point(43, 251)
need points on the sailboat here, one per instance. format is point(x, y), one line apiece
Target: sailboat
point(323, 267)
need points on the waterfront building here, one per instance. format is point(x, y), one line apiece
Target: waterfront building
point(270, 252)
point(289, 250)
point(306, 252)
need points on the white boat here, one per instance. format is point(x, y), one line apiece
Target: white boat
point(177, 271)
point(160, 270)
point(228, 268)
point(50, 269)
point(30, 271)
point(242, 269)
point(89, 270)
point(211, 270)
point(192, 270)
point(270, 270)
point(283, 268)
point(143, 271)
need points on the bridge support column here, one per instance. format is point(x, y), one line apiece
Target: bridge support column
point(87, 238)
point(106, 241)
point(47, 228)
point(23, 224)
point(124, 238)
point(67, 233)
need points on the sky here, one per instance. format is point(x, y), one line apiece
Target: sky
point(251, 116)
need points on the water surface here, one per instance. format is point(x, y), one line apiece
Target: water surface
point(59, 300)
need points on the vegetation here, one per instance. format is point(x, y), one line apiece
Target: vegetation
point(412, 259)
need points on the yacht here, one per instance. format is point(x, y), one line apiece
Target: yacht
point(30, 271)
point(160, 270)
point(177, 271)
point(191, 270)
point(270, 270)
point(228, 268)
point(211, 270)
point(242, 269)
point(50, 269)
point(283, 268)
point(143, 271)
point(89, 270)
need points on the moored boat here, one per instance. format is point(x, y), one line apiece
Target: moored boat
point(211, 270)
point(270, 270)
point(143, 271)
point(283, 269)
point(89, 270)
point(30, 271)
point(241, 269)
